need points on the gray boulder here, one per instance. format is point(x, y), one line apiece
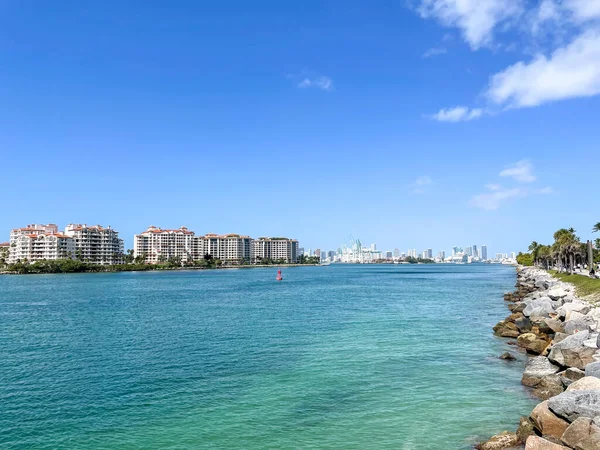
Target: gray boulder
point(576, 325)
point(585, 384)
point(574, 404)
point(542, 307)
point(571, 352)
point(593, 370)
point(537, 368)
point(575, 305)
point(556, 293)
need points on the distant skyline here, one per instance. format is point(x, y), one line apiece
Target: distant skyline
point(421, 124)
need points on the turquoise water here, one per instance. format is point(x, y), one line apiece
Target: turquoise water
point(353, 357)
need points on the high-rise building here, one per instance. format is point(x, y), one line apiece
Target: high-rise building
point(301, 251)
point(513, 255)
point(323, 255)
point(317, 252)
point(388, 255)
point(278, 248)
point(96, 244)
point(456, 250)
point(396, 253)
point(484, 255)
point(403, 255)
point(430, 253)
point(331, 254)
point(475, 252)
point(425, 254)
point(468, 250)
point(442, 255)
point(158, 245)
point(374, 247)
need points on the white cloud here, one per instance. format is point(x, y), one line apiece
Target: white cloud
point(571, 71)
point(457, 114)
point(522, 172)
point(493, 200)
point(435, 51)
point(321, 82)
point(584, 10)
point(477, 19)
point(545, 191)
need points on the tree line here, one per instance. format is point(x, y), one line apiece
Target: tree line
point(565, 254)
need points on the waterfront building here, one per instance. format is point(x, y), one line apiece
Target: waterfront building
point(430, 253)
point(96, 244)
point(317, 252)
point(301, 251)
point(37, 242)
point(323, 255)
point(456, 250)
point(277, 248)
point(158, 245)
point(403, 255)
point(468, 250)
point(331, 255)
point(388, 255)
point(229, 247)
point(474, 252)
point(396, 253)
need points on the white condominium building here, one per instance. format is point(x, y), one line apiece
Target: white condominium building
point(96, 244)
point(276, 249)
point(39, 242)
point(157, 245)
point(228, 247)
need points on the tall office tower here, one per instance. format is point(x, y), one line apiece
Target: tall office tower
point(468, 250)
point(301, 251)
point(484, 252)
point(318, 252)
point(396, 253)
point(456, 250)
point(475, 252)
point(374, 247)
point(430, 253)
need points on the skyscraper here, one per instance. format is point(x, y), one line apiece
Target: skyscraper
point(475, 252)
point(430, 253)
point(468, 250)
point(396, 253)
point(484, 252)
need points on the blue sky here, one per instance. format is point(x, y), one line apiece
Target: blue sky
point(428, 123)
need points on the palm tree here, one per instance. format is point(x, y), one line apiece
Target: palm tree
point(534, 248)
point(596, 228)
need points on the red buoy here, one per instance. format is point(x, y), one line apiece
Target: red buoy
point(279, 277)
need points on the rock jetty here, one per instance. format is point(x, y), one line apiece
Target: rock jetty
point(561, 333)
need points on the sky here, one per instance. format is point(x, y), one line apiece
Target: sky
point(410, 124)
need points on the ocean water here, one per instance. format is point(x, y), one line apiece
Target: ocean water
point(338, 357)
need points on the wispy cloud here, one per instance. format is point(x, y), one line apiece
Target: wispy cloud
point(457, 114)
point(566, 34)
point(493, 199)
point(476, 19)
point(320, 82)
point(418, 187)
point(522, 172)
point(435, 51)
point(496, 195)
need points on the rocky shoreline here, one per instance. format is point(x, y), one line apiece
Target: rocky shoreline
point(560, 333)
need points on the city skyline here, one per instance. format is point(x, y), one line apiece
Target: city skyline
point(262, 119)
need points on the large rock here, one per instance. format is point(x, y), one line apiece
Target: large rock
point(523, 324)
point(556, 292)
point(593, 369)
point(585, 384)
point(570, 352)
point(506, 329)
point(583, 434)
point(546, 422)
point(526, 428)
point(572, 405)
point(500, 441)
point(549, 386)
point(571, 375)
point(531, 343)
point(552, 325)
point(536, 369)
point(542, 308)
point(577, 325)
point(538, 443)
point(578, 306)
